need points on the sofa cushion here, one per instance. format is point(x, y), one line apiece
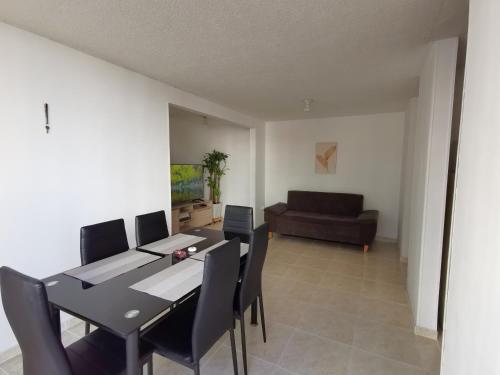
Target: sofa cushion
point(339, 204)
point(313, 217)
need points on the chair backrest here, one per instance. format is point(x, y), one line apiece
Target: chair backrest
point(251, 282)
point(214, 313)
point(25, 304)
point(99, 241)
point(150, 227)
point(238, 222)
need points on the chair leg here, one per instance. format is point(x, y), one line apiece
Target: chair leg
point(196, 369)
point(262, 320)
point(87, 328)
point(253, 309)
point(243, 343)
point(233, 352)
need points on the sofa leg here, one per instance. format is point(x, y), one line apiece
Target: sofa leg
point(365, 249)
point(270, 235)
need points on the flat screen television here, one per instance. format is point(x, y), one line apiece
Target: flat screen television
point(186, 182)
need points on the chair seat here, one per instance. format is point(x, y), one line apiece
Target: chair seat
point(102, 353)
point(172, 338)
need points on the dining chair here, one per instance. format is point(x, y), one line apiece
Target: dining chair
point(238, 222)
point(27, 309)
point(150, 227)
point(196, 324)
point(102, 240)
point(250, 287)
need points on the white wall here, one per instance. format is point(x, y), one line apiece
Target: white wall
point(471, 338)
point(429, 179)
point(191, 137)
point(106, 157)
point(406, 177)
point(368, 161)
point(258, 136)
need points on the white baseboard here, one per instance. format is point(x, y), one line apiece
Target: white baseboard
point(426, 332)
point(15, 350)
point(386, 239)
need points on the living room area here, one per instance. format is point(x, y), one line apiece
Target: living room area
point(346, 149)
point(342, 306)
point(199, 142)
point(335, 276)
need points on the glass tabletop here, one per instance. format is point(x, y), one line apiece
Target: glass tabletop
point(112, 305)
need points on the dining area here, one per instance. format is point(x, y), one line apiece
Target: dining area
point(174, 296)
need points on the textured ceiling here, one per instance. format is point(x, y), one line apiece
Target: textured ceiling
point(260, 57)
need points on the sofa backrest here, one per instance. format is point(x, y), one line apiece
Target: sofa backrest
point(326, 203)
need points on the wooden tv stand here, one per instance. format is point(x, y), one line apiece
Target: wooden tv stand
point(190, 215)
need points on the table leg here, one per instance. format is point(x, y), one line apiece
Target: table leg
point(55, 317)
point(253, 319)
point(133, 367)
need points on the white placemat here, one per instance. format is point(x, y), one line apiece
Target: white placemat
point(173, 282)
point(201, 255)
point(170, 244)
point(110, 267)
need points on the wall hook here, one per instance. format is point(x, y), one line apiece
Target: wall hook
point(47, 127)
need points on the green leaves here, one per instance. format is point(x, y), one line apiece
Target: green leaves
point(215, 164)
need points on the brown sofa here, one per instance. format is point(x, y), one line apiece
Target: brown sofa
point(325, 216)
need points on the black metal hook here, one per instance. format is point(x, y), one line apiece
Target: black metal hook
point(47, 127)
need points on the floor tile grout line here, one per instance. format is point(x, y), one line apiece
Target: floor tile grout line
point(239, 351)
point(354, 294)
point(375, 354)
point(284, 369)
point(278, 361)
point(295, 328)
point(357, 317)
point(211, 355)
point(298, 264)
point(357, 348)
point(352, 346)
point(281, 355)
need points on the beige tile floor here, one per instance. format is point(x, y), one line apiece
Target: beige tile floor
point(330, 309)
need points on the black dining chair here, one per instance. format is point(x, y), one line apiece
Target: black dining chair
point(196, 324)
point(238, 222)
point(250, 287)
point(102, 240)
point(150, 227)
point(27, 309)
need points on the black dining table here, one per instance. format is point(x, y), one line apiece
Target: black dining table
point(108, 305)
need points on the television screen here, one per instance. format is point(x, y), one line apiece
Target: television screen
point(187, 182)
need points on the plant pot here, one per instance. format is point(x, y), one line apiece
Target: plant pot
point(217, 211)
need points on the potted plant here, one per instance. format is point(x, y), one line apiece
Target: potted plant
point(215, 164)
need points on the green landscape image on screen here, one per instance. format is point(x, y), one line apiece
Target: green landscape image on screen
point(187, 182)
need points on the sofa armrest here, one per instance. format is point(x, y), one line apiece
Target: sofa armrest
point(368, 215)
point(368, 226)
point(276, 209)
point(272, 214)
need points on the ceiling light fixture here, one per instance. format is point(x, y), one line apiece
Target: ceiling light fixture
point(307, 105)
